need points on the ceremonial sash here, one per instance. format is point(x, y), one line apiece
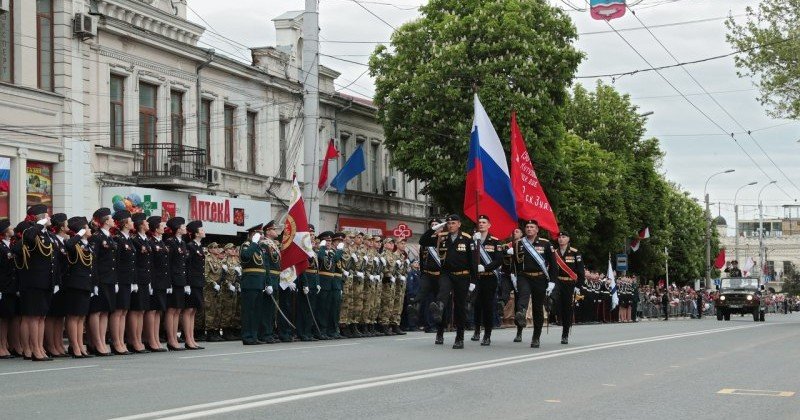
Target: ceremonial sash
point(435, 255)
point(564, 267)
point(535, 255)
point(486, 260)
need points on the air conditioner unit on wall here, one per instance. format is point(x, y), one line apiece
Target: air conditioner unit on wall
point(5, 5)
point(84, 26)
point(390, 184)
point(213, 176)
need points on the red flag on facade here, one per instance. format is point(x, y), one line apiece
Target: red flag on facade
point(531, 200)
point(331, 153)
point(720, 261)
point(296, 243)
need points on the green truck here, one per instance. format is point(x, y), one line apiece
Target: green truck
point(739, 295)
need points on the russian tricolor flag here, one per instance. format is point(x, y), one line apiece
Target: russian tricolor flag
point(488, 189)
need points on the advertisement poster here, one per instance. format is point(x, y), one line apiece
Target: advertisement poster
point(5, 186)
point(149, 201)
point(40, 184)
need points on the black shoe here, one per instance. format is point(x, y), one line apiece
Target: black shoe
point(156, 349)
point(519, 318)
point(439, 339)
point(170, 348)
point(213, 337)
point(41, 359)
point(355, 331)
point(250, 342)
point(194, 348)
point(476, 336)
point(459, 344)
point(436, 312)
point(11, 356)
point(120, 353)
point(500, 308)
point(535, 343)
point(487, 341)
point(564, 340)
point(200, 336)
point(518, 338)
point(396, 329)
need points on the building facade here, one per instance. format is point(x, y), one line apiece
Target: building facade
point(122, 107)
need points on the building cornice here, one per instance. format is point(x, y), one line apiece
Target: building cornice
point(151, 19)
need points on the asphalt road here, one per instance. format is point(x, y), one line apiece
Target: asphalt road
point(703, 369)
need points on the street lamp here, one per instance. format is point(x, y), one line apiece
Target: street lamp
point(736, 213)
point(761, 252)
point(708, 226)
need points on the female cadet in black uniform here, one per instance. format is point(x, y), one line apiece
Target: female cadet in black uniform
point(103, 299)
point(126, 276)
point(178, 290)
point(78, 284)
point(159, 283)
point(195, 279)
point(8, 279)
point(15, 333)
point(54, 323)
point(140, 289)
point(36, 286)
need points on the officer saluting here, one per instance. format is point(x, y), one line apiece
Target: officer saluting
point(459, 266)
point(569, 282)
point(37, 279)
point(535, 265)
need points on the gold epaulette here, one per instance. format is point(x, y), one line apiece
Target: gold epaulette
point(573, 249)
point(466, 235)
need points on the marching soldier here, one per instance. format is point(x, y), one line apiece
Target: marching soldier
point(456, 251)
point(230, 301)
point(253, 285)
point(195, 280)
point(159, 282)
point(535, 265)
point(490, 253)
point(212, 292)
point(569, 282)
point(431, 266)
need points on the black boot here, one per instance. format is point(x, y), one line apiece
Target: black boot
point(200, 335)
point(518, 338)
point(477, 335)
point(397, 331)
point(354, 330)
point(459, 344)
point(487, 339)
point(535, 343)
point(345, 331)
point(213, 336)
point(519, 318)
point(436, 312)
point(564, 340)
point(439, 338)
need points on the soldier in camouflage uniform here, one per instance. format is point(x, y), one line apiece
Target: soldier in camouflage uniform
point(388, 280)
point(211, 292)
point(230, 306)
point(352, 288)
point(403, 264)
point(377, 289)
point(369, 284)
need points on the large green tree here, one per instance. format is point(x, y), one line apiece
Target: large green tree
point(519, 54)
point(770, 40)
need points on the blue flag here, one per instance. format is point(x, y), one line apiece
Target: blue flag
point(356, 164)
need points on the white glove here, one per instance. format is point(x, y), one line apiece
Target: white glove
point(398, 263)
point(268, 290)
point(477, 236)
point(383, 261)
point(43, 221)
point(319, 288)
point(366, 259)
point(169, 290)
point(216, 287)
point(392, 279)
point(345, 273)
point(55, 289)
point(305, 290)
point(187, 289)
point(577, 291)
point(151, 289)
point(256, 238)
point(360, 274)
point(238, 270)
point(134, 288)
point(1, 295)
point(353, 255)
point(550, 287)
point(323, 243)
point(81, 233)
point(376, 259)
point(472, 287)
point(292, 287)
point(340, 246)
point(96, 291)
point(402, 278)
point(225, 267)
point(481, 268)
point(510, 251)
point(439, 226)
point(514, 280)
point(116, 287)
point(232, 288)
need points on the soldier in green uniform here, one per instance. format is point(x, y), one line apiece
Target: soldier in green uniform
point(348, 275)
point(229, 302)
point(341, 275)
point(286, 290)
point(266, 330)
point(212, 291)
point(305, 303)
point(388, 280)
point(328, 260)
point(403, 265)
point(253, 284)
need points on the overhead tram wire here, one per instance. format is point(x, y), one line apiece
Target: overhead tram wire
point(697, 82)
point(373, 14)
point(695, 106)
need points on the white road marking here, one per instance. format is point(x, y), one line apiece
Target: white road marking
point(270, 350)
point(415, 338)
point(608, 384)
point(46, 370)
point(278, 397)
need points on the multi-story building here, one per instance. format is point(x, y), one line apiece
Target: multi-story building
point(113, 103)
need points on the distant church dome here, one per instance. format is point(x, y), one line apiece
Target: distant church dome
point(720, 221)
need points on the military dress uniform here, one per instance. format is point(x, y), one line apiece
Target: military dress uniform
point(8, 276)
point(253, 283)
point(143, 248)
point(126, 266)
point(308, 284)
point(490, 253)
point(160, 279)
point(566, 287)
point(347, 264)
point(430, 269)
point(532, 281)
point(376, 290)
point(105, 298)
point(37, 278)
point(267, 331)
point(286, 290)
point(78, 285)
point(403, 265)
point(195, 268)
point(328, 260)
point(356, 301)
point(61, 269)
point(177, 266)
point(459, 266)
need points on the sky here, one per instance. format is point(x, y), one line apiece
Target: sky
point(695, 147)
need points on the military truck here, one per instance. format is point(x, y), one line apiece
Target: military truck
point(739, 295)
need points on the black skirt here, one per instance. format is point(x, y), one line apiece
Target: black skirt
point(57, 305)
point(75, 302)
point(105, 300)
point(35, 302)
point(158, 302)
point(177, 299)
point(8, 305)
point(124, 297)
point(195, 300)
point(140, 300)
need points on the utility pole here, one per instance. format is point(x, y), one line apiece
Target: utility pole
point(310, 77)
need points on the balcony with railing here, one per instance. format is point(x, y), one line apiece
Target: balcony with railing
point(169, 164)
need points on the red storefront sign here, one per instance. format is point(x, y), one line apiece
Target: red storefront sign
point(217, 211)
point(402, 231)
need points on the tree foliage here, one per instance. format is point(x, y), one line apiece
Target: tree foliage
point(770, 41)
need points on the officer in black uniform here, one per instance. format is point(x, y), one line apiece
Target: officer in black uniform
point(78, 284)
point(195, 279)
point(490, 253)
point(179, 289)
point(37, 280)
point(54, 323)
point(430, 268)
point(536, 269)
point(457, 252)
point(103, 299)
point(160, 282)
point(568, 284)
point(8, 289)
point(126, 278)
point(140, 289)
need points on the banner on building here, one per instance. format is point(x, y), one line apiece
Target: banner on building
point(226, 215)
point(39, 182)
